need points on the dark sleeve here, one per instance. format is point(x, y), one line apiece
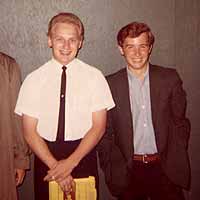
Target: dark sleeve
point(178, 108)
point(105, 146)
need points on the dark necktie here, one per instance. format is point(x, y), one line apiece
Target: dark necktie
point(61, 119)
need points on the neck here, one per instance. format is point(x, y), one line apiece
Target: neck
point(139, 73)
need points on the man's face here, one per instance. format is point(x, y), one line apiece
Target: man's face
point(65, 42)
point(136, 52)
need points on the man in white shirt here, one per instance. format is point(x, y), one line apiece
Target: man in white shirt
point(87, 100)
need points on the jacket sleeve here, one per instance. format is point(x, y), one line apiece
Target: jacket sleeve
point(181, 124)
point(112, 160)
point(105, 146)
point(20, 148)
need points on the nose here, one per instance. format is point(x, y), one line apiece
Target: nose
point(66, 44)
point(137, 51)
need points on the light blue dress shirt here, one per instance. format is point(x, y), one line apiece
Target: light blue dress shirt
point(143, 131)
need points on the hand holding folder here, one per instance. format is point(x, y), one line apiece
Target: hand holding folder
point(84, 189)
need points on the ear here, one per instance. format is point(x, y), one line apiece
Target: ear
point(121, 50)
point(150, 49)
point(49, 42)
point(80, 44)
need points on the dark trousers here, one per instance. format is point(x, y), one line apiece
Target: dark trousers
point(87, 166)
point(148, 181)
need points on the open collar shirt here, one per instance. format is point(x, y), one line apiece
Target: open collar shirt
point(86, 92)
point(144, 136)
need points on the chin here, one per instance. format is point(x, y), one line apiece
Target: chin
point(138, 67)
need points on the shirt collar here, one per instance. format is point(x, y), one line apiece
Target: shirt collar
point(58, 66)
point(133, 77)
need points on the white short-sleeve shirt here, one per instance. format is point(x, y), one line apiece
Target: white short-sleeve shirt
point(86, 92)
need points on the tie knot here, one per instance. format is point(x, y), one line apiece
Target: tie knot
point(64, 67)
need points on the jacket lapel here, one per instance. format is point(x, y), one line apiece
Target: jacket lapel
point(154, 93)
point(124, 103)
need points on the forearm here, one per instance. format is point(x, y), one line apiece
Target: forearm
point(40, 148)
point(36, 142)
point(104, 150)
point(105, 145)
point(64, 167)
point(90, 140)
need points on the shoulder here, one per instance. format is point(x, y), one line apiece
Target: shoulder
point(10, 65)
point(116, 76)
point(164, 73)
point(84, 67)
point(6, 58)
point(162, 69)
point(38, 74)
point(87, 72)
point(34, 81)
point(7, 61)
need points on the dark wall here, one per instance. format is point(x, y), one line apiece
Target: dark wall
point(175, 23)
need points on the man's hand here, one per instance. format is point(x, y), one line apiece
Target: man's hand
point(67, 185)
point(60, 171)
point(19, 176)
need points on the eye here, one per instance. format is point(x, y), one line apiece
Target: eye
point(144, 46)
point(58, 39)
point(73, 40)
point(129, 47)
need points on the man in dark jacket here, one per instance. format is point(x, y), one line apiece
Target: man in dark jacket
point(144, 151)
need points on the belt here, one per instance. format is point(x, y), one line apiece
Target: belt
point(146, 158)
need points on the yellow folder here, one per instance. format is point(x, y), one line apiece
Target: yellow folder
point(84, 190)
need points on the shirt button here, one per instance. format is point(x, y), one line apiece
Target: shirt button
point(143, 106)
point(62, 95)
point(145, 125)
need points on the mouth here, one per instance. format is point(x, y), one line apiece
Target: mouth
point(137, 60)
point(65, 53)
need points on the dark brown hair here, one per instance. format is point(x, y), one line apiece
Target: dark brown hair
point(133, 30)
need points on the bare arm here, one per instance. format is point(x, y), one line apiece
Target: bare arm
point(36, 143)
point(104, 147)
point(92, 137)
point(90, 140)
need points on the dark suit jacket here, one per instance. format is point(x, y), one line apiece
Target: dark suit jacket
point(168, 104)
